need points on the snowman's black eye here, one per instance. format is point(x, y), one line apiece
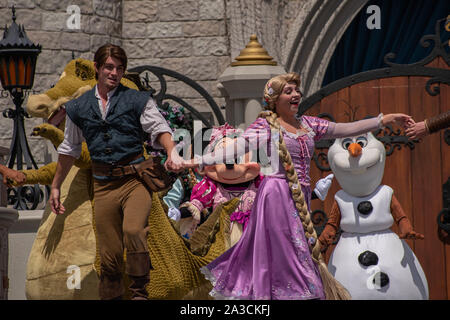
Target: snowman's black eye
point(362, 141)
point(346, 143)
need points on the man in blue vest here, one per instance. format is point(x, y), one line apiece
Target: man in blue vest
point(115, 121)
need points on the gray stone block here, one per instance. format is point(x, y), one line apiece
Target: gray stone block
point(142, 62)
point(61, 5)
point(170, 48)
point(140, 11)
point(52, 61)
point(164, 30)
point(54, 21)
point(111, 9)
point(96, 41)
point(137, 49)
point(75, 41)
point(6, 129)
point(43, 82)
point(204, 28)
point(134, 30)
point(206, 46)
point(21, 4)
point(48, 39)
point(196, 68)
point(30, 19)
point(211, 9)
point(101, 25)
point(175, 10)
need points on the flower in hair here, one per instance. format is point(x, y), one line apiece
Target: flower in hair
point(270, 91)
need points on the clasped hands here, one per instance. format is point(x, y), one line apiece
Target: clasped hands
point(176, 163)
point(414, 130)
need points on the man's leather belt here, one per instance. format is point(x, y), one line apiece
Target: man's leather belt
point(117, 171)
point(121, 168)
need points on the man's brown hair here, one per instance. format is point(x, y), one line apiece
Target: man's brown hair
point(109, 50)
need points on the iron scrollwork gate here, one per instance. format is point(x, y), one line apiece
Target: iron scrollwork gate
point(162, 96)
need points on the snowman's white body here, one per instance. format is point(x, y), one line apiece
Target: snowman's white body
point(362, 232)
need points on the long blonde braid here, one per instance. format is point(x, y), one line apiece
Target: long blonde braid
point(333, 289)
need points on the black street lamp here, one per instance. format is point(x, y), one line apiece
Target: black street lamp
point(18, 57)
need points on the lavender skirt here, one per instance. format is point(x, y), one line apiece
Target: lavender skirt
point(271, 261)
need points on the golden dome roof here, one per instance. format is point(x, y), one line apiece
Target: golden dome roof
point(253, 54)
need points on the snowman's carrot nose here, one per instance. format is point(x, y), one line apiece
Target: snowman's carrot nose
point(355, 150)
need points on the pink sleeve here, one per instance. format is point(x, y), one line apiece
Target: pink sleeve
point(318, 125)
point(203, 193)
point(349, 129)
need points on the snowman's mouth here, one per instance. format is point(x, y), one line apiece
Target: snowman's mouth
point(369, 167)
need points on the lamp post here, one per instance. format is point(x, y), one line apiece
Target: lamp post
point(18, 57)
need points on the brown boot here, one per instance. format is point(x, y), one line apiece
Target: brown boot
point(138, 269)
point(110, 287)
point(137, 287)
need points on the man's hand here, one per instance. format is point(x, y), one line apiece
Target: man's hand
point(55, 202)
point(416, 130)
point(174, 162)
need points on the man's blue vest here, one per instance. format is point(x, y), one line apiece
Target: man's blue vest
point(120, 135)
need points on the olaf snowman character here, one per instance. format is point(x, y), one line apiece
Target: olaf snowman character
point(370, 260)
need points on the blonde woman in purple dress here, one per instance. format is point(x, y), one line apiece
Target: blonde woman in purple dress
point(278, 255)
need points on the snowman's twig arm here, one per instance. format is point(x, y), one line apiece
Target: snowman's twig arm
point(331, 228)
point(397, 210)
point(404, 224)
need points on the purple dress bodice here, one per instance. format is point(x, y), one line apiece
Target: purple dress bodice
point(300, 146)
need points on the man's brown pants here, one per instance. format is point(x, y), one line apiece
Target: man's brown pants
point(121, 209)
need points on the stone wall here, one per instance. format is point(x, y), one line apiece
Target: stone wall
point(189, 37)
point(198, 38)
point(45, 23)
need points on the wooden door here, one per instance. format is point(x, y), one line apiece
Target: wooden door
point(415, 171)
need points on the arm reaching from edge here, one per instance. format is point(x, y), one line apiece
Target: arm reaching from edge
point(63, 166)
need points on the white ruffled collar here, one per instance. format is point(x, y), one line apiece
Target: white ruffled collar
point(303, 124)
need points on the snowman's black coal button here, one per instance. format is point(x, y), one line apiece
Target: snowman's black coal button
point(381, 279)
point(365, 207)
point(368, 258)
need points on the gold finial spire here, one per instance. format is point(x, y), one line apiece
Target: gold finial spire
point(253, 54)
